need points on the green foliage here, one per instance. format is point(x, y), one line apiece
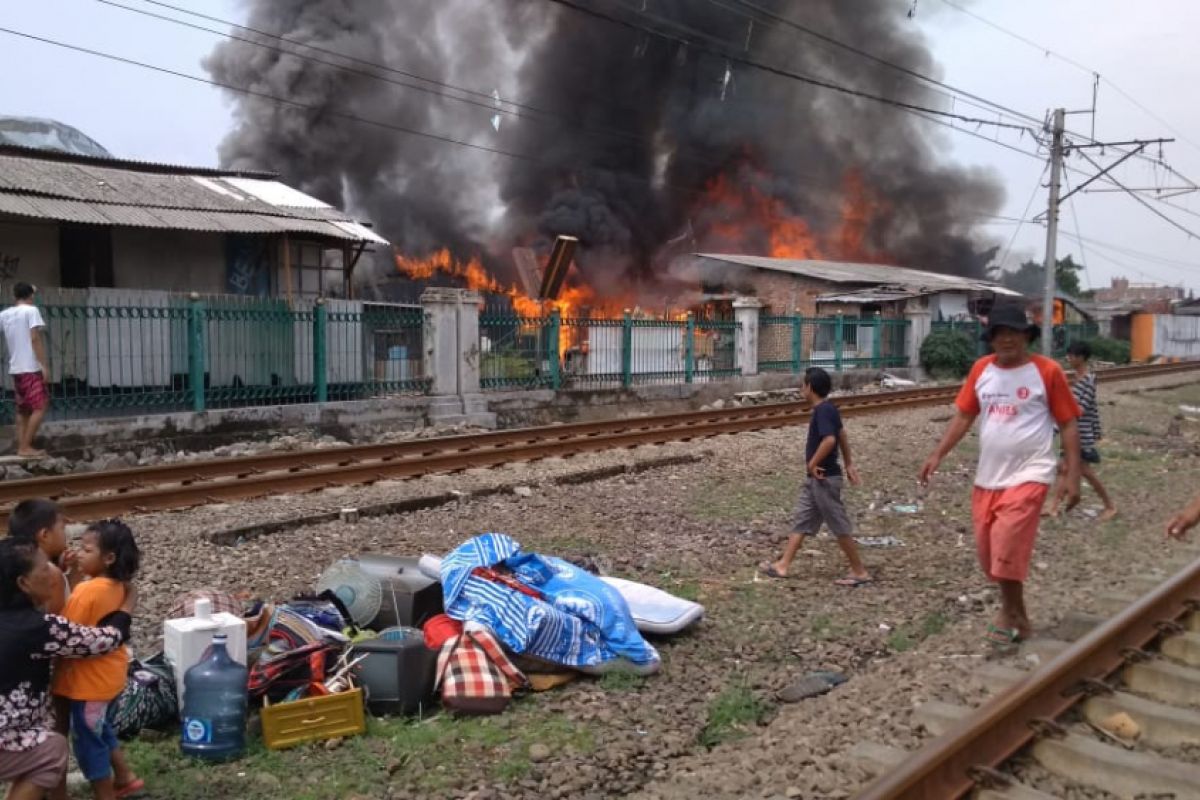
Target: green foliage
point(947, 354)
point(1105, 349)
point(1030, 278)
point(621, 680)
point(730, 713)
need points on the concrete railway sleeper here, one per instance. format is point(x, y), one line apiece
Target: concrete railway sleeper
point(168, 486)
point(1142, 663)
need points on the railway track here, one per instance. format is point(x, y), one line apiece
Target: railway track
point(161, 487)
point(1142, 662)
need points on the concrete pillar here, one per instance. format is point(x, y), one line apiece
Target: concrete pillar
point(468, 341)
point(440, 342)
point(452, 357)
point(745, 312)
point(920, 322)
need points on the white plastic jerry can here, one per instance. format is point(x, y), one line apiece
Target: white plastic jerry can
point(185, 640)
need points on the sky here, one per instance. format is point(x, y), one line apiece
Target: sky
point(1145, 50)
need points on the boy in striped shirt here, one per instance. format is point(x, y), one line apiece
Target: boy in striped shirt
point(1083, 386)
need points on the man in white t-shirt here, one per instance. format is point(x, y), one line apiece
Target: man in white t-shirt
point(1019, 398)
point(24, 332)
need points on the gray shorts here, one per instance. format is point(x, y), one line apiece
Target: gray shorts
point(821, 502)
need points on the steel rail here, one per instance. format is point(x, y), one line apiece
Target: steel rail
point(1001, 727)
point(56, 486)
point(239, 488)
point(61, 486)
point(191, 483)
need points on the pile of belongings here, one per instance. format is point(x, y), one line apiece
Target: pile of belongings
point(508, 612)
point(293, 649)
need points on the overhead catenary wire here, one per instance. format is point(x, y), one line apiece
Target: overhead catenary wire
point(264, 95)
point(950, 91)
point(1048, 52)
point(734, 58)
point(520, 110)
point(1075, 219)
point(1191, 234)
point(1024, 216)
point(490, 105)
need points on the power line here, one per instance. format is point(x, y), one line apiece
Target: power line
point(1014, 35)
point(911, 73)
point(1024, 215)
point(492, 105)
point(778, 71)
point(1082, 67)
point(265, 96)
point(1140, 200)
point(1075, 218)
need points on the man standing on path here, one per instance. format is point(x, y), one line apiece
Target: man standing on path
point(24, 332)
point(1021, 396)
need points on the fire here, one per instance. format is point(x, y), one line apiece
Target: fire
point(442, 262)
point(743, 218)
point(572, 301)
point(744, 213)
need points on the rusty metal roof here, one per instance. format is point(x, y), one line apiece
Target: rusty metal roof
point(864, 274)
point(98, 191)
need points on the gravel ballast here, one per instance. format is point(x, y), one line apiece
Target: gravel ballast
point(710, 724)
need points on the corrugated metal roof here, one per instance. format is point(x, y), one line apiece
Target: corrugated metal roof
point(867, 296)
point(180, 219)
point(849, 272)
point(93, 191)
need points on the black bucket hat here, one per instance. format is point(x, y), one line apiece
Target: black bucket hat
point(1008, 314)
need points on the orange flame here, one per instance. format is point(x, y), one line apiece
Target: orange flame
point(748, 220)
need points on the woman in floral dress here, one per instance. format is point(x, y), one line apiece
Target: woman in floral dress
point(33, 758)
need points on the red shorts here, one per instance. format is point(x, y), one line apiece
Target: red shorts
point(31, 392)
point(1006, 526)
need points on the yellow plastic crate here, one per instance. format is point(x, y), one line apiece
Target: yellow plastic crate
point(313, 719)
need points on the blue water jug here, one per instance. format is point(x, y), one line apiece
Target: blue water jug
point(214, 706)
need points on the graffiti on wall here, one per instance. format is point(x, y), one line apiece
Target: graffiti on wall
point(10, 265)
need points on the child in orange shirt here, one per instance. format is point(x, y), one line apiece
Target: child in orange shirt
point(109, 557)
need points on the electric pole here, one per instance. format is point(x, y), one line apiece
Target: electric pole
point(1056, 159)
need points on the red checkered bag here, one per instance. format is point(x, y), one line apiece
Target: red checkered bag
point(475, 676)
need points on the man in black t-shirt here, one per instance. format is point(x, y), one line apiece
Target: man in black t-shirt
point(821, 497)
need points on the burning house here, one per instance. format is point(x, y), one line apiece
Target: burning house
point(555, 122)
point(813, 288)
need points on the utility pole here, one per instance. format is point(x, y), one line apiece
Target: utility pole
point(1056, 159)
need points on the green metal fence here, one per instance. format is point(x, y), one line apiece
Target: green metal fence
point(794, 343)
point(515, 352)
point(111, 356)
point(1064, 335)
point(580, 353)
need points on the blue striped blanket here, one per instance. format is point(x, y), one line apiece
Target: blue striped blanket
point(583, 622)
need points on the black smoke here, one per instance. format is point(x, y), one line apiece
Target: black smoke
point(623, 131)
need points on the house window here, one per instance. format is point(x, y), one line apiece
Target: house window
point(85, 257)
point(316, 271)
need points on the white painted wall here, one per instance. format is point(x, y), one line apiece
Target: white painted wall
point(1176, 336)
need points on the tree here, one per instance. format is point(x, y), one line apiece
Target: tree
point(1030, 278)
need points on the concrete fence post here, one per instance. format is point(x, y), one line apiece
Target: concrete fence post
point(440, 339)
point(920, 322)
point(746, 314)
point(469, 354)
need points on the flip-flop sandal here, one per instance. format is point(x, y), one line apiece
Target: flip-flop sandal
point(770, 571)
point(130, 789)
point(1002, 637)
point(852, 582)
